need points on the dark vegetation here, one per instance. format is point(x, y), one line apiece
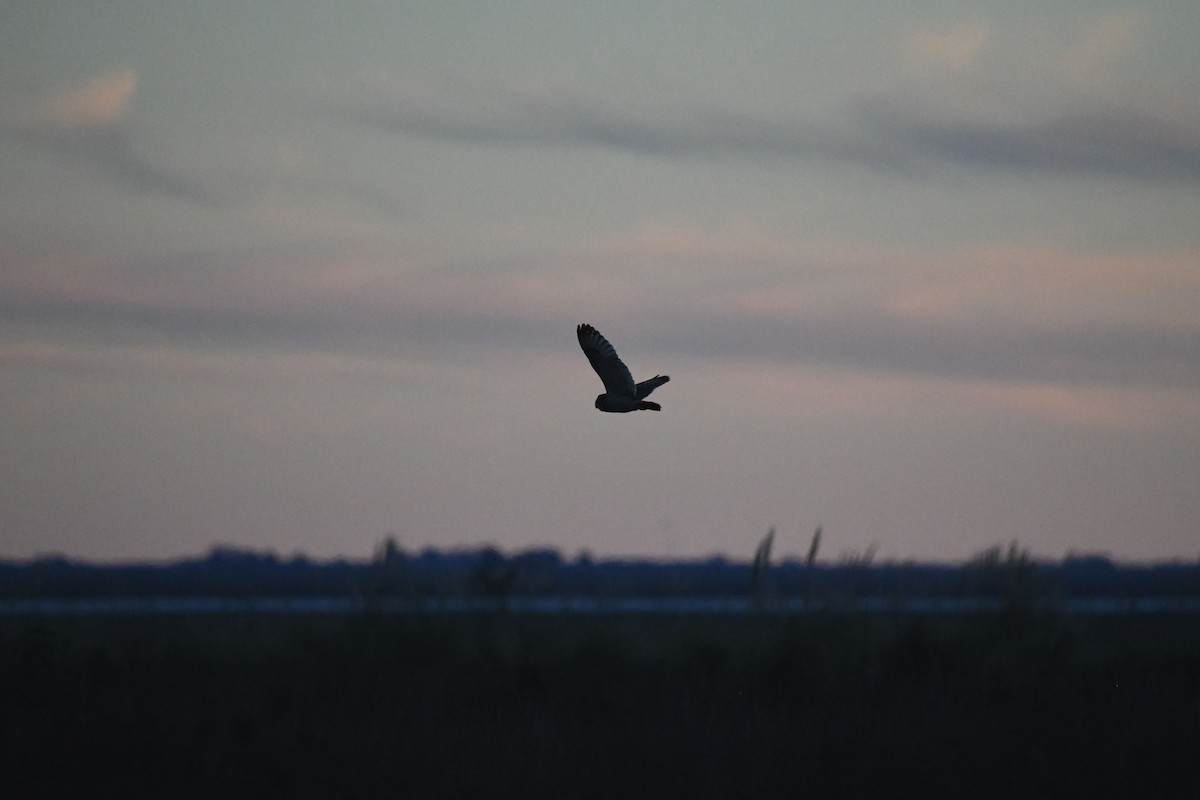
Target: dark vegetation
point(1008, 573)
point(1024, 699)
point(1013, 703)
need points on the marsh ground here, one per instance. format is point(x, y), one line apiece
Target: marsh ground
point(833, 705)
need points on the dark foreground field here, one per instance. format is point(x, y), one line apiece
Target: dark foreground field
point(997, 705)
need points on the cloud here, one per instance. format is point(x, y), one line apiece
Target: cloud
point(1088, 139)
point(894, 132)
point(831, 392)
point(89, 125)
point(874, 341)
point(502, 116)
point(100, 103)
point(271, 191)
point(1083, 323)
point(111, 153)
point(1103, 42)
point(987, 312)
point(317, 297)
point(953, 49)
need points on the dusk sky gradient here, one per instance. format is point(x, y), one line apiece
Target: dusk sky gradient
point(297, 276)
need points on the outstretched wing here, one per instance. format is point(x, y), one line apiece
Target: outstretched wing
point(644, 388)
point(616, 376)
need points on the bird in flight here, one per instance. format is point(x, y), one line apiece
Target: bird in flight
point(621, 394)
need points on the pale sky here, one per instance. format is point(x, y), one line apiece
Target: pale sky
point(301, 275)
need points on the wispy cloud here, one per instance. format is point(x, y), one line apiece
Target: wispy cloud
point(558, 118)
point(951, 49)
point(1148, 354)
point(1096, 139)
point(1102, 44)
point(1098, 322)
point(274, 188)
point(89, 125)
point(102, 102)
point(899, 132)
point(111, 152)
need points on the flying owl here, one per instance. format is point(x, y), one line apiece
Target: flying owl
point(621, 394)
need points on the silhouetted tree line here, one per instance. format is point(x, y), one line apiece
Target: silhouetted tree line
point(1009, 573)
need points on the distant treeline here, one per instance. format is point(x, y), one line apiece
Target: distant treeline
point(1008, 573)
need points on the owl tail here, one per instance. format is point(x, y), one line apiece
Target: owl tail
point(646, 405)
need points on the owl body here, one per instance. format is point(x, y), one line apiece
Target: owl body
point(619, 404)
point(621, 394)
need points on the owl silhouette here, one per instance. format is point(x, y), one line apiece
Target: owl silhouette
point(621, 394)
